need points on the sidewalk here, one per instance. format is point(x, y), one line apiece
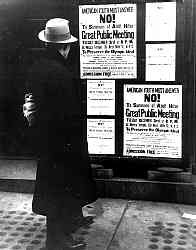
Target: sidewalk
point(118, 225)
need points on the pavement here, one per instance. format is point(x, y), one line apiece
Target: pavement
point(118, 224)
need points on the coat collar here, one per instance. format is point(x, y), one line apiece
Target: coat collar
point(54, 54)
point(71, 63)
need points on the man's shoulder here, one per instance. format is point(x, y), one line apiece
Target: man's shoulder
point(48, 66)
point(46, 63)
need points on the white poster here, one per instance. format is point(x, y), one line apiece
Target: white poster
point(108, 41)
point(161, 21)
point(100, 97)
point(101, 136)
point(153, 120)
point(160, 62)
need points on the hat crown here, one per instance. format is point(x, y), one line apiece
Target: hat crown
point(57, 22)
point(57, 31)
point(57, 26)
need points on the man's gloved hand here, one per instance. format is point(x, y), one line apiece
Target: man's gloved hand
point(29, 109)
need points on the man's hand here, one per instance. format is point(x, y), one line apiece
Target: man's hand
point(29, 109)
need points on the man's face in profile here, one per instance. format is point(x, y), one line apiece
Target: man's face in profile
point(65, 50)
point(62, 48)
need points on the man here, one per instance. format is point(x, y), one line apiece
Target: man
point(53, 109)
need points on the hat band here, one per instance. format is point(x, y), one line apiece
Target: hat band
point(57, 37)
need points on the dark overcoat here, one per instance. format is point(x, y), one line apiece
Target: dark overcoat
point(58, 136)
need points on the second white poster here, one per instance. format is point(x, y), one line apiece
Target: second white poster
point(153, 120)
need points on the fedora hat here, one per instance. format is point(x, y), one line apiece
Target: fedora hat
point(57, 31)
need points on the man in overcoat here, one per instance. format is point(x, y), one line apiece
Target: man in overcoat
point(53, 109)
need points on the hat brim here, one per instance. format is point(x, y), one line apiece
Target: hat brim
point(41, 37)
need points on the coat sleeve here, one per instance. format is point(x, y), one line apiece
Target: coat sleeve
point(58, 117)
